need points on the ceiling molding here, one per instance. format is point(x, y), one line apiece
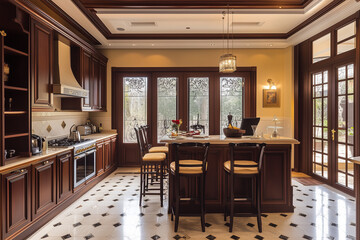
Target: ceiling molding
point(91, 15)
point(69, 19)
point(196, 4)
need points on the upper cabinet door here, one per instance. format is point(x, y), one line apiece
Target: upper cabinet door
point(102, 86)
point(86, 80)
point(94, 94)
point(41, 66)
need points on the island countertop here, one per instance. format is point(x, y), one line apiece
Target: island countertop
point(220, 139)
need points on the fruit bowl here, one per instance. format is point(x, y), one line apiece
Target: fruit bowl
point(234, 133)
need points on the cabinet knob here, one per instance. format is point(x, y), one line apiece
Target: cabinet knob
point(3, 33)
point(46, 162)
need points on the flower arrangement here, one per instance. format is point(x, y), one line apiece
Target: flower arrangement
point(176, 126)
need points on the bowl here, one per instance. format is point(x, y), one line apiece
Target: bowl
point(234, 133)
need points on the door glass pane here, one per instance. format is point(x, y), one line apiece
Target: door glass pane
point(321, 48)
point(166, 104)
point(231, 96)
point(135, 105)
point(345, 131)
point(199, 101)
point(320, 124)
point(345, 32)
point(344, 40)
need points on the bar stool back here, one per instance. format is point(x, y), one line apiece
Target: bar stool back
point(189, 167)
point(244, 169)
point(148, 161)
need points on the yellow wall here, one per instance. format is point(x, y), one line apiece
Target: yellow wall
point(276, 64)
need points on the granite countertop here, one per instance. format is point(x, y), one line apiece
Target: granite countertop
point(219, 139)
point(25, 161)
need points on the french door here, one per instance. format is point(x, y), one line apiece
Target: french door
point(156, 96)
point(333, 118)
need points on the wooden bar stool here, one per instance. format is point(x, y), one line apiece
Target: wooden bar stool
point(160, 149)
point(189, 167)
point(244, 169)
point(148, 161)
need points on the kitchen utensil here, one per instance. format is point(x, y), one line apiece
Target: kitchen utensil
point(11, 153)
point(36, 144)
point(84, 129)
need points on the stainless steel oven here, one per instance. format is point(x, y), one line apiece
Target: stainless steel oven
point(84, 163)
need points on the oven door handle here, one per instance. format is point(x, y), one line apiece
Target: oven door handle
point(90, 152)
point(79, 156)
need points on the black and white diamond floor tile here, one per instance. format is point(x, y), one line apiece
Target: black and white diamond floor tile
point(331, 216)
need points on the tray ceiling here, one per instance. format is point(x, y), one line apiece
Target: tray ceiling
point(172, 24)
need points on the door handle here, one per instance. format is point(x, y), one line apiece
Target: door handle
point(333, 131)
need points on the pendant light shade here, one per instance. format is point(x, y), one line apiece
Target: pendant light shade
point(227, 62)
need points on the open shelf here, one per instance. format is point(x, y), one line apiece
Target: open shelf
point(13, 51)
point(16, 135)
point(14, 112)
point(16, 88)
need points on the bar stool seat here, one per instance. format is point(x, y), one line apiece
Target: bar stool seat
point(188, 170)
point(155, 157)
point(242, 170)
point(161, 149)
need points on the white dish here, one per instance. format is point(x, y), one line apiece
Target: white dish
point(200, 136)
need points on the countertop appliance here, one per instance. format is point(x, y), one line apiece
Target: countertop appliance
point(84, 130)
point(84, 157)
point(36, 144)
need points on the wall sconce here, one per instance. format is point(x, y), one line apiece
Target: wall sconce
point(271, 84)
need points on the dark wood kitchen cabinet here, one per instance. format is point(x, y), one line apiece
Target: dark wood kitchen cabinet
point(64, 176)
point(14, 82)
point(41, 66)
point(99, 158)
point(16, 208)
point(90, 71)
point(43, 186)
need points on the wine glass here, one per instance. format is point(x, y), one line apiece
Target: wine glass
point(253, 127)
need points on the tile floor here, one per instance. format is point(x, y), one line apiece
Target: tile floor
point(111, 211)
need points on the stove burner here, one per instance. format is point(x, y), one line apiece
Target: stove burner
point(65, 142)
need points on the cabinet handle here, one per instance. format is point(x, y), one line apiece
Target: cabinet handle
point(18, 171)
point(46, 162)
point(3, 33)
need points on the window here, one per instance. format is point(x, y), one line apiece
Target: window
point(346, 38)
point(199, 101)
point(321, 48)
point(166, 104)
point(135, 106)
point(231, 100)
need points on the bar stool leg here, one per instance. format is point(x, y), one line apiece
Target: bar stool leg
point(258, 202)
point(225, 196)
point(202, 203)
point(141, 184)
point(177, 202)
point(161, 183)
point(231, 202)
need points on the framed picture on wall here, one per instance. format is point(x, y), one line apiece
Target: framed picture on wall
point(271, 98)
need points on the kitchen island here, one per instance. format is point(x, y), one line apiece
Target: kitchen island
point(277, 192)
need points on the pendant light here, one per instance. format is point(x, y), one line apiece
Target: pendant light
point(227, 62)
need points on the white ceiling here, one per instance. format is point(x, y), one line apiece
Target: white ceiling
point(209, 21)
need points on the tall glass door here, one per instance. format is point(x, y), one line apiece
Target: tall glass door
point(333, 118)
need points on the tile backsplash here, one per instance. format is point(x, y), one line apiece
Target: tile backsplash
point(42, 122)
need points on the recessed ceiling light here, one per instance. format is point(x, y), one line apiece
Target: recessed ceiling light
point(187, 27)
point(109, 44)
point(212, 44)
point(133, 44)
point(120, 29)
point(152, 44)
point(270, 45)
